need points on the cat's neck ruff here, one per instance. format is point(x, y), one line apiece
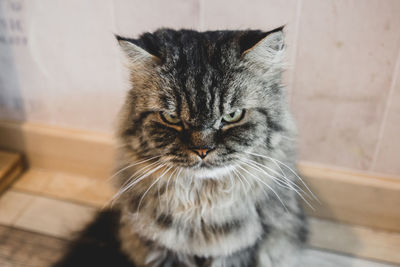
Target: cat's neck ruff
point(208, 173)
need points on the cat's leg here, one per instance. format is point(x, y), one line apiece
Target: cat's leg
point(247, 257)
point(279, 251)
point(272, 252)
point(145, 253)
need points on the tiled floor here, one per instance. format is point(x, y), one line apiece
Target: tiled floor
point(73, 188)
point(49, 206)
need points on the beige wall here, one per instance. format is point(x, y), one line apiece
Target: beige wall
point(59, 65)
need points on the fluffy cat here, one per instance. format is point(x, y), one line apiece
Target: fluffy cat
point(205, 160)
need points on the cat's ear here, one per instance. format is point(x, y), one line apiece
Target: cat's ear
point(265, 47)
point(134, 52)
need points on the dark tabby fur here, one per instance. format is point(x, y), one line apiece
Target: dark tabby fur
point(205, 160)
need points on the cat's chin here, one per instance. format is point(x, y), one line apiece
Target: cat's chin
point(209, 172)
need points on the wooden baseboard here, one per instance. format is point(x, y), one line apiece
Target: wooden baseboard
point(353, 197)
point(60, 149)
point(345, 196)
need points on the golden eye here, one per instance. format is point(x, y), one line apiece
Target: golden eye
point(235, 116)
point(170, 118)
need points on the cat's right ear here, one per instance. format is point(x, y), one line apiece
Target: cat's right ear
point(264, 47)
point(134, 52)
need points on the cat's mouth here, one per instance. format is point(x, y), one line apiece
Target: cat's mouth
point(202, 165)
point(205, 165)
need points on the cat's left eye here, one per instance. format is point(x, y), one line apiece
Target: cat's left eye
point(235, 116)
point(170, 118)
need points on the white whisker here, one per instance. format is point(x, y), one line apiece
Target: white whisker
point(231, 180)
point(136, 181)
point(282, 177)
point(277, 180)
point(148, 189)
point(265, 185)
point(282, 183)
point(158, 186)
point(241, 175)
point(142, 171)
point(131, 165)
point(240, 179)
point(166, 188)
point(175, 177)
point(272, 159)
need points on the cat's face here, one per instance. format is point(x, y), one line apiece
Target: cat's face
point(202, 100)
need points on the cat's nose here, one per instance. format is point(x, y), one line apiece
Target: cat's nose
point(202, 151)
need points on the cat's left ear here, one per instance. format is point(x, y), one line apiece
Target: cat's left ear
point(266, 47)
point(135, 52)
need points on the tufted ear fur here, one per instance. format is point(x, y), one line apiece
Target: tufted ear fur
point(134, 52)
point(268, 49)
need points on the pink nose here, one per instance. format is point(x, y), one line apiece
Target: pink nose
point(202, 152)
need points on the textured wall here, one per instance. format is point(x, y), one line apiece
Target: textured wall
point(59, 65)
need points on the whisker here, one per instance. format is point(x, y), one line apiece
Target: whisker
point(141, 170)
point(145, 175)
point(131, 165)
point(265, 185)
point(239, 178)
point(298, 187)
point(176, 176)
point(148, 189)
point(136, 181)
point(241, 175)
point(285, 185)
point(283, 178)
point(272, 159)
point(244, 178)
point(158, 187)
point(231, 180)
point(166, 188)
point(277, 180)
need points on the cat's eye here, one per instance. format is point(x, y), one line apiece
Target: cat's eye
point(235, 116)
point(170, 118)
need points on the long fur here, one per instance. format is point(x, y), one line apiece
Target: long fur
point(239, 206)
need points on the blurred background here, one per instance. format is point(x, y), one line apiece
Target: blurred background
point(60, 69)
point(60, 66)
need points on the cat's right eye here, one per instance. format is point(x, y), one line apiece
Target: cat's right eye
point(170, 118)
point(233, 117)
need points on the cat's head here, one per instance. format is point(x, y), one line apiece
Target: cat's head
point(203, 100)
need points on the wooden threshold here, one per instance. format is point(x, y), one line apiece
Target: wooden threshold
point(10, 168)
point(350, 197)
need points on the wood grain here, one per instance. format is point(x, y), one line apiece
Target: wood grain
point(10, 168)
point(24, 248)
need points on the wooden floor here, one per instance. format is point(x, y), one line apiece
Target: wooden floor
point(41, 210)
point(24, 248)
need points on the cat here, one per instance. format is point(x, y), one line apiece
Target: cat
point(206, 157)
